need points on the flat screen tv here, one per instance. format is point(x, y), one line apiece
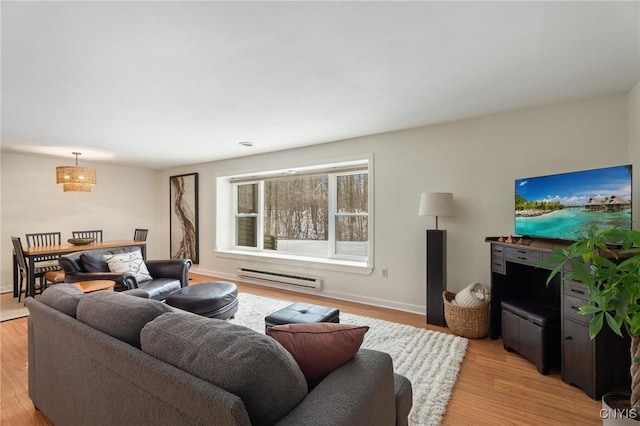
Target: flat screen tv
point(564, 206)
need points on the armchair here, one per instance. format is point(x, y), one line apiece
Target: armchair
point(167, 275)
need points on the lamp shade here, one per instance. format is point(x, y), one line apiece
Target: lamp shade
point(76, 179)
point(436, 204)
point(76, 187)
point(66, 174)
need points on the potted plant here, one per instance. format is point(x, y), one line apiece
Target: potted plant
point(608, 263)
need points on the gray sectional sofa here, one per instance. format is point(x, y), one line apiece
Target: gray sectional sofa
point(110, 358)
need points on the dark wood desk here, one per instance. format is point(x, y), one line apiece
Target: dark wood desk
point(33, 253)
point(596, 366)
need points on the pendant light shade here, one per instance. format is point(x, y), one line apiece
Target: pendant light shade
point(76, 179)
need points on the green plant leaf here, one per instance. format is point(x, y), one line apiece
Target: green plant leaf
point(635, 325)
point(612, 323)
point(580, 271)
point(554, 272)
point(588, 309)
point(595, 325)
point(608, 264)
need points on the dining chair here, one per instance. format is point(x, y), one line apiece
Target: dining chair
point(96, 234)
point(54, 273)
point(43, 239)
point(23, 269)
point(140, 234)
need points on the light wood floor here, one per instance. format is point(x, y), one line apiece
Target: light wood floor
point(493, 388)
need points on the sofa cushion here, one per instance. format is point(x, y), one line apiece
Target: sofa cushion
point(62, 297)
point(319, 348)
point(94, 262)
point(128, 262)
point(246, 363)
point(119, 315)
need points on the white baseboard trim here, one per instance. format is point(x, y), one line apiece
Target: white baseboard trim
point(348, 297)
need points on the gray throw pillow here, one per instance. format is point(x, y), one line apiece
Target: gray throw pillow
point(62, 297)
point(246, 363)
point(119, 315)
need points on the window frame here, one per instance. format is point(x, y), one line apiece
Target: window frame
point(257, 215)
point(227, 201)
point(334, 213)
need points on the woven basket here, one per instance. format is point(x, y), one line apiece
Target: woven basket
point(472, 323)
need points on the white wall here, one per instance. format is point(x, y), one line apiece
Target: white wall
point(478, 160)
point(125, 198)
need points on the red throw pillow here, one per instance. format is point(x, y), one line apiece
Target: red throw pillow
point(319, 348)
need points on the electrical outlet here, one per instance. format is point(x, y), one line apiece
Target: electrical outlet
point(385, 272)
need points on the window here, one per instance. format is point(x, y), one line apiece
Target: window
point(247, 215)
point(318, 214)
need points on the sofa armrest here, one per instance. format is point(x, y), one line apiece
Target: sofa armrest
point(360, 392)
point(174, 268)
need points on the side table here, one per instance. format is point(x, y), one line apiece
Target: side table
point(95, 285)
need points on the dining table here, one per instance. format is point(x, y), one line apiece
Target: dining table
point(35, 253)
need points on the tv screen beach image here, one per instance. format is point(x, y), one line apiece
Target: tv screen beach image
point(564, 206)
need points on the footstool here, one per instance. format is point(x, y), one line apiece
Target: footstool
point(216, 299)
point(302, 313)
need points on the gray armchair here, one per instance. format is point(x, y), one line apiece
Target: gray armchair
point(167, 275)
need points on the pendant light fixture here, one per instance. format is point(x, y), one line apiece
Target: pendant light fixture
point(76, 179)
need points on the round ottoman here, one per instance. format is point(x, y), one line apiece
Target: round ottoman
point(216, 299)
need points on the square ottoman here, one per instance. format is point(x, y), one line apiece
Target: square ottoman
point(298, 313)
point(532, 330)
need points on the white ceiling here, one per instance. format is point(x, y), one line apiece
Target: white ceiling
point(161, 84)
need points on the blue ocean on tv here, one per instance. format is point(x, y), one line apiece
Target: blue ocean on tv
point(565, 206)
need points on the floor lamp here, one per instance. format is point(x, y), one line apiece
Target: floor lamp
point(436, 204)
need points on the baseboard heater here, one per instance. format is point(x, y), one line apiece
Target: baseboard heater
point(281, 278)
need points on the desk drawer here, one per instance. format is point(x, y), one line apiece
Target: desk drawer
point(497, 259)
point(576, 289)
point(497, 251)
point(497, 265)
point(570, 307)
point(520, 255)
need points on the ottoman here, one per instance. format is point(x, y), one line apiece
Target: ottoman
point(302, 313)
point(532, 330)
point(216, 299)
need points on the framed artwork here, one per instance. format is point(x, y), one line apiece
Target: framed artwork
point(183, 217)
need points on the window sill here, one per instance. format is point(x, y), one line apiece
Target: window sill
point(308, 262)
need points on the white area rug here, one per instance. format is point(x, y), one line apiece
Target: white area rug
point(429, 359)
point(11, 309)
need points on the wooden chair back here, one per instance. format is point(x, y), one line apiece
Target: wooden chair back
point(140, 234)
point(17, 250)
point(95, 233)
point(43, 239)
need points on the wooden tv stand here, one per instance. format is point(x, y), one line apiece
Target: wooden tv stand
point(596, 366)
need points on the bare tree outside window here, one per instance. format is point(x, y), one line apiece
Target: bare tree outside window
point(352, 219)
point(296, 208)
point(296, 214)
